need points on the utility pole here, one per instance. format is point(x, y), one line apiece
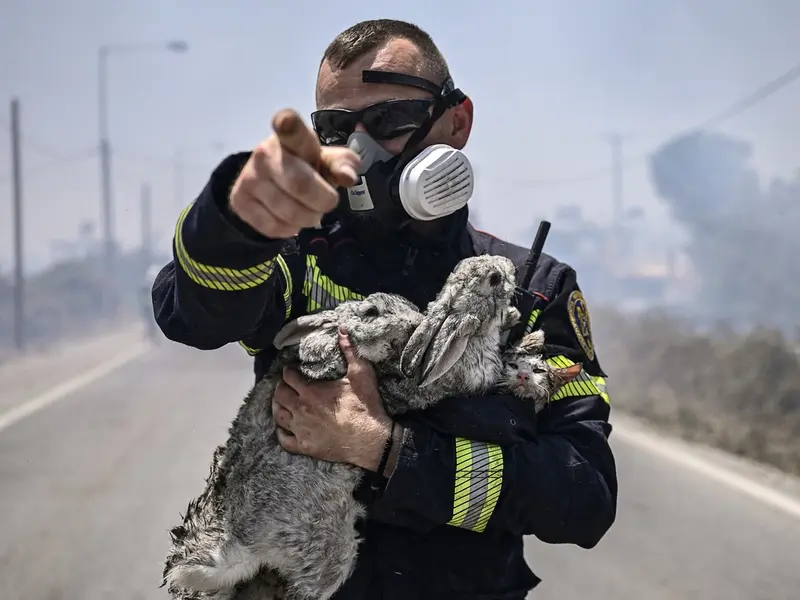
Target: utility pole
point(19, 279)
point(146, 210)
point(111, 291)
point(106, 200)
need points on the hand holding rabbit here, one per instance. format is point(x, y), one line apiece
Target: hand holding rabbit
point(341, 421)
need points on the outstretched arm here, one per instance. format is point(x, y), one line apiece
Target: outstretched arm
point(226, 283)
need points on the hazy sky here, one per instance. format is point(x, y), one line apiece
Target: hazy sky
point(548, 78)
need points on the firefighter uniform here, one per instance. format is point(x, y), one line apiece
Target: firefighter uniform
point(474, 475)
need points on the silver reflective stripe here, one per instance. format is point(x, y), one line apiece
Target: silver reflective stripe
point(317, 294)
point(478, 484)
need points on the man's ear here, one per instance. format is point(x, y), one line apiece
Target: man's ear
point(461, 124)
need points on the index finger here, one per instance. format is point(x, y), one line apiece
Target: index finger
point(296, 137)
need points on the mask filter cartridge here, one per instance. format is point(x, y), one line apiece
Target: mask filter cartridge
point(436, 183)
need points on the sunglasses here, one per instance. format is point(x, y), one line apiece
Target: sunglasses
point(383, 121)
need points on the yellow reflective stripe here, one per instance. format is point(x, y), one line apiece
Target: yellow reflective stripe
point(248, 349)
point(583, 385)
point(532, 321)
point(287, 277)
point(219, 278)
point(322, 293)
point(287, 299)
point(478, 483)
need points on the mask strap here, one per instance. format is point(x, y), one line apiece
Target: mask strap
point(446, 95)
point(393, 78)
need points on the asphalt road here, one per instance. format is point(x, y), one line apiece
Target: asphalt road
point(90, 484)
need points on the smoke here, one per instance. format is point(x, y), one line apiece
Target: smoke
point(744, 244)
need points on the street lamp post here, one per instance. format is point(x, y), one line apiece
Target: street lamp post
point(106, 187)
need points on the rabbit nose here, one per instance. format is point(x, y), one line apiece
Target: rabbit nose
point(495, 279)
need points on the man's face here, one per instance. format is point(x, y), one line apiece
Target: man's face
point(343, 88)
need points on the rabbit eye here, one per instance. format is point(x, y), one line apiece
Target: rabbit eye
point(371, 311)
point(494, 279)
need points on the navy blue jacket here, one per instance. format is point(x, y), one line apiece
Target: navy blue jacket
point(474, 475)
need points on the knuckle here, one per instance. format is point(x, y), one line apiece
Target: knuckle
point(298, 177)
point(246, 208)
point(264, 151)
point(238, 200)
point(304, 183)
point(328, 199)
point(258, 221)
point(297, 214)
point(356, 370)
point(283, 207)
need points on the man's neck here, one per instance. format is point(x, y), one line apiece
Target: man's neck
point(426, 228)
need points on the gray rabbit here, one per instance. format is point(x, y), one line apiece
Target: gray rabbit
point(267, 515)
point(257, 495)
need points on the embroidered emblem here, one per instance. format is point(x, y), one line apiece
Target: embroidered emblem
point(579, 316)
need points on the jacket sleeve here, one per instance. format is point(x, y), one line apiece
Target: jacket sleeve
point(225, 283)
point(490, 464)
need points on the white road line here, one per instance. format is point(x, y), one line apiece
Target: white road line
point(70, 386)
point(685, 458)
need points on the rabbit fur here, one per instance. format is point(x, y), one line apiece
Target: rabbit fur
point(269, 516)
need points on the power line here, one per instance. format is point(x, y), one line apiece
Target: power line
point(33, 144)
point(60, 160)
point(63, 160)
point(158, 161)
point(59, 157)
point(734, 110)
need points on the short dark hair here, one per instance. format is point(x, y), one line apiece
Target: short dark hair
point(354, 42)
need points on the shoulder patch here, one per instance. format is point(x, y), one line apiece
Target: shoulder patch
point(581, 323)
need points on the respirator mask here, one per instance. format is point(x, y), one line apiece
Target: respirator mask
point(417, 184)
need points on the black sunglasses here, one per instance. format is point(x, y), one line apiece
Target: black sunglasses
point(383, 121)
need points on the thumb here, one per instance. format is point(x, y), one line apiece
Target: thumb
point(349, 351)
point(339, 166)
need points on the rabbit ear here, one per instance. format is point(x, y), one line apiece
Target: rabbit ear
point(437, 349)
point(294, 331)
point(418, 344)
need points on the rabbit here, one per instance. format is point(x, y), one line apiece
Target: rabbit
point(268, 510)
point(260, 502)
point(528, 375)
point(456, 349)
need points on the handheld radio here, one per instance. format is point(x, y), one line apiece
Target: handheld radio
point(524, 299)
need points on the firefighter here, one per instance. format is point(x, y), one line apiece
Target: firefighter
point(354, 205)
